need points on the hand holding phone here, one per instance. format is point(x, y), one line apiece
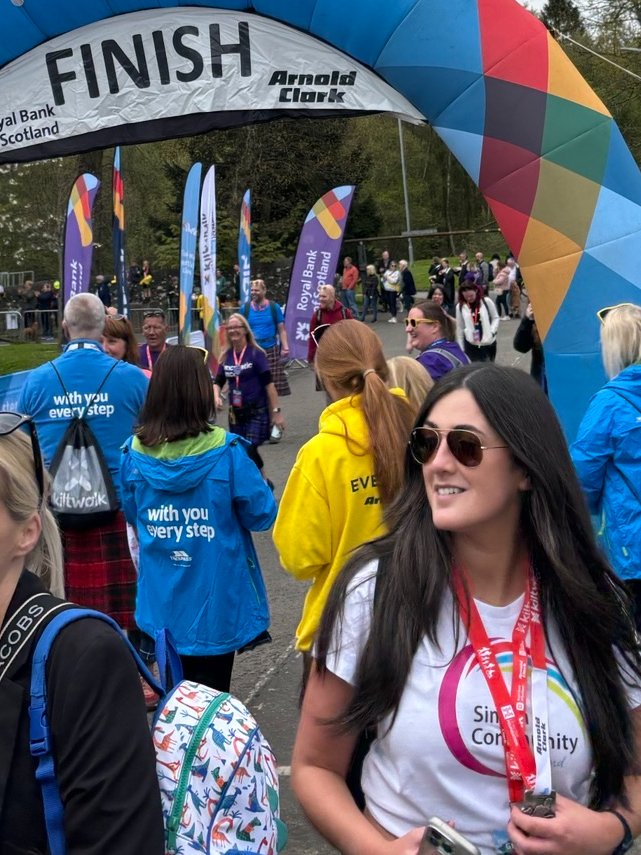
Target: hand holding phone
point(442, 838)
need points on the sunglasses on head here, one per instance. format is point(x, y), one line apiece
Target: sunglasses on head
point(414, 322)
point(154, 313)
point(601, 314)
point(116, 317)
point(465, 445)
point(202, 350)
point(319, 332)
point(10, 422)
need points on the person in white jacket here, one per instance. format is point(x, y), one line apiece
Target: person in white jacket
point(477, 323)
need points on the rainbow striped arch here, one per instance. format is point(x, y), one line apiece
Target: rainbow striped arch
point(505, 99)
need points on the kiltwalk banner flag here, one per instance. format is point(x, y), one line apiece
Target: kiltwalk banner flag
point(188, 236)
point(78, 249)
point(207, 247)
point(315, 263)
point(118, 235)
point(244, 248)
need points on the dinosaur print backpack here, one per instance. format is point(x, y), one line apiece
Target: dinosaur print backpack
point(217, 775)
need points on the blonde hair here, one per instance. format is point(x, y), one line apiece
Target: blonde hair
point(350, 359)
point(621, 339)
point(20, 495)
point(409, 375)
point(251, 341)
point(370, 270)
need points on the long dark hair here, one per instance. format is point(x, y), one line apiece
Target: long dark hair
point(579, 591)
point(180, 398)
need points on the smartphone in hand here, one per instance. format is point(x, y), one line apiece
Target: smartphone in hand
point(445, 840)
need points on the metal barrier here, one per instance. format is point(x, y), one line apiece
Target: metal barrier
point(11, 325)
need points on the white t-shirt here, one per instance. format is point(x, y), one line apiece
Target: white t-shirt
point(444, 755)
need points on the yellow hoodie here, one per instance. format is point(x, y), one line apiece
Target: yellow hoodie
point(330, 506)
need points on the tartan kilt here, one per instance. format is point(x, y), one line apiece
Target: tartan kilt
point(277, 371)
point(256, 429)
point(99, 572)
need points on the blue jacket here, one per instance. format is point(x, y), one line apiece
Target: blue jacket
point(113, 414)
point(607, 457)
point(193, 503)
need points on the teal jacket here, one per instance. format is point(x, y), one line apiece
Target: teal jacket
point(193, 504)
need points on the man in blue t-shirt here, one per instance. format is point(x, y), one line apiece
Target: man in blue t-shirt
point(86, 382)
point(267, 323)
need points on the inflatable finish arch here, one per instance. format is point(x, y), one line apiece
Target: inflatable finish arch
point(509, 104)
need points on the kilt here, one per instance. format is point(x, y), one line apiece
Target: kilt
point(256, 429)
point(99, 572)
point(277, 371)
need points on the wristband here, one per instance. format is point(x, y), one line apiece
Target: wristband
point(628, 841)
point(276, 410)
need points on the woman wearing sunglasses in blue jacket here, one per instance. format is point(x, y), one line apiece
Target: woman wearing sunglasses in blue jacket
point(486, 642)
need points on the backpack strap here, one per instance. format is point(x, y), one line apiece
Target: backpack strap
point(40, 729)
point(454, 361)
point(20, 629)
point(274, 316)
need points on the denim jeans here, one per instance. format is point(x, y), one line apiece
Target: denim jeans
point(370, 302)
point(349, 300)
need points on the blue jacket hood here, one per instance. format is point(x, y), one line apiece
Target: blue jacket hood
point(628, 382)
point(182, 473)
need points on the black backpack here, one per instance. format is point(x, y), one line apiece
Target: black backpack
point(82, 490)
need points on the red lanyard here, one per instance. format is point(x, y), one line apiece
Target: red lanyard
point(237, 364)
point(511, 706)
point(150, 363)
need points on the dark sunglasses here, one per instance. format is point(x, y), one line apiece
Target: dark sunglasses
point(319, 332)
point(464, 445)
point(154, 313)
point(414, 322)
point(10, 422)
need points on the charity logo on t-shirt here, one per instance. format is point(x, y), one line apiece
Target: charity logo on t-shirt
point(469, 721)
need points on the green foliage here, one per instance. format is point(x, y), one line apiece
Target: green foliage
point(564, 16)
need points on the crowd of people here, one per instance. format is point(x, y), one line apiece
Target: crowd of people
point(463, 630)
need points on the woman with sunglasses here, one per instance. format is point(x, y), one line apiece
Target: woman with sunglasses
point(193, 495)
point(432, 332)
point(253, 399)
point(103, 753)
point(477, 322)
point(345, 474)
point(607, 450)
point(484, 625)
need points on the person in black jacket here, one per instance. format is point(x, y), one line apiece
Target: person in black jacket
point(102, 748)
point(408, 286)
point(527, 339)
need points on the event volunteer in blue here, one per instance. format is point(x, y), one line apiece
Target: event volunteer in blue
point(486, 640)
point(98, 568)
point(265, 317)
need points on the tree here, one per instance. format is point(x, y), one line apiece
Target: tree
point(563, 16)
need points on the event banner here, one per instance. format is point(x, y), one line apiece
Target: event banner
point(139, 75)
point(118, 235)
point(188, 236)
point(10, 389)
point(207, 247)
point(244, 248)
point(315, 263)
point(78, 250)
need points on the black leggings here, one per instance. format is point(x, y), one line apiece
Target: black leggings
point(253, 454)
point(212, 671)
point(480, 353)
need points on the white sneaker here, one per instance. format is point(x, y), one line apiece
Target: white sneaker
point(392, 321)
